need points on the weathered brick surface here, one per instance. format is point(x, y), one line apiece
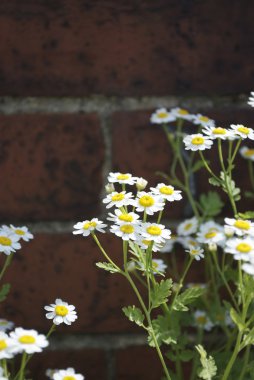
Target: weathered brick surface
point(63, 266)
point(52, 166)
point(138, 363)
point(89, 362)
point(137, 48)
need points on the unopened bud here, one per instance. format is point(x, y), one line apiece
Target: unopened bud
point(131, 266)
point(212, 247)
point(141, 183)
point(229, 232)
point(109, 188)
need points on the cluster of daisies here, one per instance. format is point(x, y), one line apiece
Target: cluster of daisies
point(130, 211)
point(19, 340)
point(209, 131)
point(10, 237)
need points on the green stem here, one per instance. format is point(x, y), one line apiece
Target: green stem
point(51, 330)
point(104, 252)
point(251, 173)
point(23, 366)
point(6, 264)
point(245, 362)
point(182, 281)
point(233, 357)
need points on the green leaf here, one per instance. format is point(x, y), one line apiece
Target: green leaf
point(246, 215)
point(213, 181)
point(209, 369)
point(161, 292)
point(236, 318)
point(249, 194)
point(248, 339)
point(4, 292)
point(211, 203)
point(198, 165)
point(134, 314)
point(108, 267)
point(163, 331)
point(188, 296)
point(227, 182)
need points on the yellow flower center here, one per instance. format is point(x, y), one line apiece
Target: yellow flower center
point(187, 226)
point(192, 242)
point(183, 112)
point(243, 130)
point(243, 248)
point(69, 378)
point(125, 217)
point(242, 224)
point(210, 235)
point(154, 230)
point(146, 242)
point(123, 177)
point(146, 201)
point(3, 344)
point(204, 118)
point(162, 115)
point(117, 197)
point(19, 232)
point(219, 131)
point(201, 319)
point(5, 241)
point(198, 140)
point(166, 190)
point(27, 339)
point(61, 310)
point(155, 265)
point(127, 228)
point(194, 252)
point(89, 225)
point(249, 152)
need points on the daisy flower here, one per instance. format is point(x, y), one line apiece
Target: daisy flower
point(197, 142)
point(203, 120)
point(218, 132)
point(242, 131)
point(8, 242)
point(2, 377)
point(187, 241)
point(247, 153)
point(167, 192)
point(86, 227)
point(202, 320)
point(28, 341)
point(161, 116)
point(126, 231)
point(155, 232)
point(67, 374)
point(148, 202)
point(242, 249)
point(240, 227)
point(210, 236)
point(6, 346)
point(122, 178)
point(145, 244)
point(21, 232)
point(158, 265)
point(181, 113)
point(123, 217)
point(248, 268)
point(61, 312)
point(196, 252)
point(118, 199)
point(188, 227)
point(251, 99)
point(5, 325)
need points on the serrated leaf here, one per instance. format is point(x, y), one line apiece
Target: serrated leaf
point(161, 292)
point(248, 339)
point(4, 292)
point(246, 215)
point(134, 314)
point(188, 296)
point(198, 165)
point(209, 369)
point(108, 267)
point(236, 318)
point(211, 203)
point(227, 182)
point(213, 181)
point(163, 331)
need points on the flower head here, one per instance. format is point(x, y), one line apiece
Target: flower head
point(242, 249)
point(167, 192)
point(121, 217)
point(121, 178)
point(161, 116)
point(28, 341)
point(116, 199)
point(6, 346)
point(127, 231)
point(197, 142)
point(21, 232)
point(211, 232)
point(155, 232)
point(242, 131)
point(61, 312)
point(203, 120)
point(251, 99)
point(247, 153)
point(218, 132)
point(5, 325)
point(202, 320)
point(67, 374)
point(148, 202)
point(9, 242)
point(86, 227)
point(240, 227)
point(181, 113)
point(196, 252)
point(188, 227)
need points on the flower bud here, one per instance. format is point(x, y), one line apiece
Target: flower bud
point(131, 266)
point(212, 247)
point(109, 188)
point(229, 232)
point(141, 183)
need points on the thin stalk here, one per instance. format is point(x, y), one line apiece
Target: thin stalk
point(22, 366)
point(6, 264)
point(251, 173)
point(182, 281)
point(245, 362)
point(104, 252)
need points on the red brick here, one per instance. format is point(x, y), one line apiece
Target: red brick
point(51, 166)
point(89, 362)
point(132, 363)
point(123, 47)
point(63, 266)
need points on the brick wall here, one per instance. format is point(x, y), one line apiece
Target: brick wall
point(79, 80)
